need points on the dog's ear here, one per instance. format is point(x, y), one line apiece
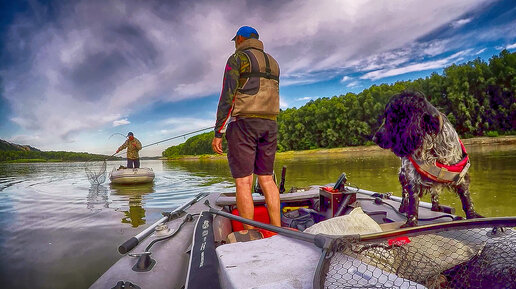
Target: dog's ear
point(431, 123)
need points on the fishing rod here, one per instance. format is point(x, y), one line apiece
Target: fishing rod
point(178, 136)
point(171, 138)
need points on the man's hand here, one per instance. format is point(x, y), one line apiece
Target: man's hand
point(216, 145)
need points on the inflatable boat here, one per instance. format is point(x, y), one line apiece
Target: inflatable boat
point(333, 236)
point(131, 176)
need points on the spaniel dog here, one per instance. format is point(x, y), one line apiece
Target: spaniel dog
point(432, 155)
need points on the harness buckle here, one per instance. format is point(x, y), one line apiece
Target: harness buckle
point(442, 172)
point(464, 171)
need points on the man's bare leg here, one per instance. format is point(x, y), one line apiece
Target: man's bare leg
point(245, 204)
point(271, 193)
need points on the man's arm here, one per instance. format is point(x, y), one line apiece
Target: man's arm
point(216, 145)
point(227, 96)
point(122, 146)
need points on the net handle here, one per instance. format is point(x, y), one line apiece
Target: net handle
point(445, 226)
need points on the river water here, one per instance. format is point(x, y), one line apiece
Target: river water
point(58, 231)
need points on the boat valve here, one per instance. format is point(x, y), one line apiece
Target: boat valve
point(144, 263)
point(161, 230)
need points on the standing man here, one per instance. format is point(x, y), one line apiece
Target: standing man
point(133, 145)
point(249, 102)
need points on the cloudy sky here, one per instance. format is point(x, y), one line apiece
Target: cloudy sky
point(77, 75)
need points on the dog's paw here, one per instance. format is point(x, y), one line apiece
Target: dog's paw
point(473, 215)
point(409, 224)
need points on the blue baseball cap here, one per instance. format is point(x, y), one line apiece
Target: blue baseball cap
point(130, 133)
point(246, 31)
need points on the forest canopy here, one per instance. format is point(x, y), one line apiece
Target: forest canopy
point(41, 156)
point(478, 98)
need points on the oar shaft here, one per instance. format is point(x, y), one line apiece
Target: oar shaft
point(134, 241)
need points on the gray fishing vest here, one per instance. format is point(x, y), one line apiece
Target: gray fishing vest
point(260, 93)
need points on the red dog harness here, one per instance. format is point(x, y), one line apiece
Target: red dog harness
point(443, 173)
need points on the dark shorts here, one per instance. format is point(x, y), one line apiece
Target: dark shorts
point(133, 163)
point(251, 146)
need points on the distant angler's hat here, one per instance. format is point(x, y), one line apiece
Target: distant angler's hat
point(130, 134)
point(247, 32)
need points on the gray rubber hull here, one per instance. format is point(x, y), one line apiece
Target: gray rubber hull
point(131, 176)
point(171, 258)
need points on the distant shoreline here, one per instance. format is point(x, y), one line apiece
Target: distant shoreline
point(471, 144)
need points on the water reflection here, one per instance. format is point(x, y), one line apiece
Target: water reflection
point(97, 198)
point(492, 174)
point(135, 215)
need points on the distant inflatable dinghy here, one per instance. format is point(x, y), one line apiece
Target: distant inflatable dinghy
point(131, 176)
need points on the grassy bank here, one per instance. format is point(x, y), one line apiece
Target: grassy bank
point(471, 144)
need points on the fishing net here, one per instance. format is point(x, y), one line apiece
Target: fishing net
point(480, 255)
point(96, 172)
point(98, 198)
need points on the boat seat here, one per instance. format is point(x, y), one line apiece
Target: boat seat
point(275, 262)
point(282, 262)
point(227, 200)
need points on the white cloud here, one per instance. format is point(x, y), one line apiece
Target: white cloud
point(480, 51)
point(382, 73)
point(184, 124)
point(283, 104)
point(353, 84)
point(345, 78)
point(511, 46)
point(120, 122)
point(461, 22)
point(436, 47)
point(98, 61)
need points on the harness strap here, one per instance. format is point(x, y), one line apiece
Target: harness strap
point(267, 74)
point(443, 173)
point(259, 74)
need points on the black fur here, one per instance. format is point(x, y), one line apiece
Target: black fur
point(407, 117)
point(410, 121)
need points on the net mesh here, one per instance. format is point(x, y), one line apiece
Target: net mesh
point(96, 172)
point(459, 258)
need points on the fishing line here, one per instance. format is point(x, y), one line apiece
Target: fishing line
point(115, 134)
point(178, 136)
